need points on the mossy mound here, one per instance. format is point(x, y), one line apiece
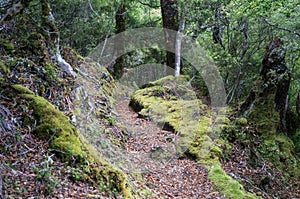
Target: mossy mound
point(65, 139)
point(279, 150)
point(227, 185)
point(4, 69)
point(172, 103)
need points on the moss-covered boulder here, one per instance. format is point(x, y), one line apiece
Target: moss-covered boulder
point(54, 126)
point(227, 185)
point(280, 151)
point(172, 103)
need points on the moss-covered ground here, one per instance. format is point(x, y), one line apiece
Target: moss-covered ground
point(68, 143)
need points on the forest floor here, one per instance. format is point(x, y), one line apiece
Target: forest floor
point(167, 178)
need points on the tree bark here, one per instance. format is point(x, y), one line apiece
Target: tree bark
point(118, 68)
point(178, 42)
point(169, 10)
point(268, 100)
point(298, 104)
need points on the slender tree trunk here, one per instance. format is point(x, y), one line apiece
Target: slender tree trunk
point(178, 42)
point(118, 68)
point(52, 34)
point(217, 29)
point(169, 10)
point(298, 104)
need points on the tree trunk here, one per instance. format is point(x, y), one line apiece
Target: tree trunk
point(169, 10)
point(178, 42)
point(267, 103)
point(298, 104)
point(52, 34)
point(118, 68)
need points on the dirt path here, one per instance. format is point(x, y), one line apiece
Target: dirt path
point(165, 175)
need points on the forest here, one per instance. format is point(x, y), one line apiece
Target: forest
point(150, 99)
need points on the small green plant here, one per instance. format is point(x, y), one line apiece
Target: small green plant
point(50, 72)
point(44, 175)
point(111, 121)
point(76, 174)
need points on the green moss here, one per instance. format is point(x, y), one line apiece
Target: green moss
point(241, 121)
point(227, 185)
point(114, 180)
point(168, 79)
point(170, 101)
point(279, 149)
point(53, 125)
point(296, 139)
point(4, 68)
point(7, 45)
point(22, 90)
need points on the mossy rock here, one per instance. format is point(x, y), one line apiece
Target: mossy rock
point(172, 103)
point(227, 185)
point(53, 125)
point(181, 80)
point(265, 116)
point(279, 150)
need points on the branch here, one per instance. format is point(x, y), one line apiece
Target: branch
point(281, 28)
point(13, 8)
point(91, 7)
point(148, 4)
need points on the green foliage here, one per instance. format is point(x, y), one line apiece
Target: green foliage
point(83, 25)
point(271, 146)
point(79, 26)
point(7, 45)
point(51, 73)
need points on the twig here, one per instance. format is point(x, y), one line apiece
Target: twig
point(91, 7)
point(148, 4)
point(281, 28)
